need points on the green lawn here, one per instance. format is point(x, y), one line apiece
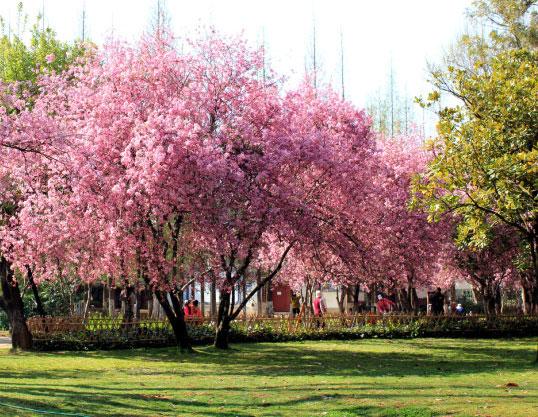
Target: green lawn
point(411, 378)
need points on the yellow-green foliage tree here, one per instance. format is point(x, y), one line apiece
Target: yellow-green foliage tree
point(485, 170)
point(23, 60)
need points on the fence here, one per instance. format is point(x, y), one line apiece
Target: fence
point(147, 331)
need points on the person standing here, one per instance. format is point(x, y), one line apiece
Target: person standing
point(187, 309)
point(196, 313)
point(295, 304)
point(438, 302)
point(320, 308)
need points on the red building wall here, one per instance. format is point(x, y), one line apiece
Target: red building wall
point(281, 298)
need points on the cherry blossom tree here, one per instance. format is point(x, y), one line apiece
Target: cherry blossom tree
point(154, 153)
point(488, 269)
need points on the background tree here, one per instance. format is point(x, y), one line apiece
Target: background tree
point(21, 64)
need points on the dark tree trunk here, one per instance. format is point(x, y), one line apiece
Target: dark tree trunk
point(489, 300)
point(244, 290)
point(498, 300)
point(138, 304)
point(223, 334)
point(223, 322)
point(176, 319)
point(213, 298)
point(356, 293)
point(127, 296)
point(413, 299)
point(202, 296)
point(259, 297)
point(35, 291)
point(21, 338)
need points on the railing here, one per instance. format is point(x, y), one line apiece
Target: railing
point(98, 329)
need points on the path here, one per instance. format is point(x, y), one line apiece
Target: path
point(5, 342)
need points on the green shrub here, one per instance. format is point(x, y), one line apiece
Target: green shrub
point(101, 333)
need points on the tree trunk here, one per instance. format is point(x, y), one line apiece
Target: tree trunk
point(88, 300)
point(35, 291)
point(534, 258)
point(373, 297)
point(138, 304)
point(413, 300)
point(150, 307)
point(309, 298)
point(111, 299)
point(223, 322)
point(176, 319)
point(21, 338)
point(498, 300)
point(453, 293)
point(127, 297)
point(106, 297)
point(403, 300)
point(223, 334)
point(213, 298)
point(340, 298)
point(488, 298)
point(244, 290)
point(524, 303)
point(202, 296)
point(259, 297)
point(356, 293)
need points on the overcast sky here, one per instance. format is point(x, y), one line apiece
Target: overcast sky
point(407, 33)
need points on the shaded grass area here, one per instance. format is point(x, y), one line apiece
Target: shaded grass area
point(375, 378)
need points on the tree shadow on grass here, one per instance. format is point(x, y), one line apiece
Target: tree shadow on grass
point(92, 405)
point(91, 390)
point(300, 359)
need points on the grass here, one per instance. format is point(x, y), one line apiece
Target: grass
point(374, 378)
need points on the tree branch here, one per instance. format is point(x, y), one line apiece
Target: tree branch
point(263, 281)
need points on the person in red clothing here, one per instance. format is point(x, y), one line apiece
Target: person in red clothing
point(384, 305)
point(319, 309)
point(196, 313)
point(187, 309)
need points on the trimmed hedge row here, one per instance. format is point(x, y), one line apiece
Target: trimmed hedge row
point(497, 327)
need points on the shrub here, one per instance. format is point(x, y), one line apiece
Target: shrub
point(97, 334)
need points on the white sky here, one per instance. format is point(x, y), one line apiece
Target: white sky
point(407, 32)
